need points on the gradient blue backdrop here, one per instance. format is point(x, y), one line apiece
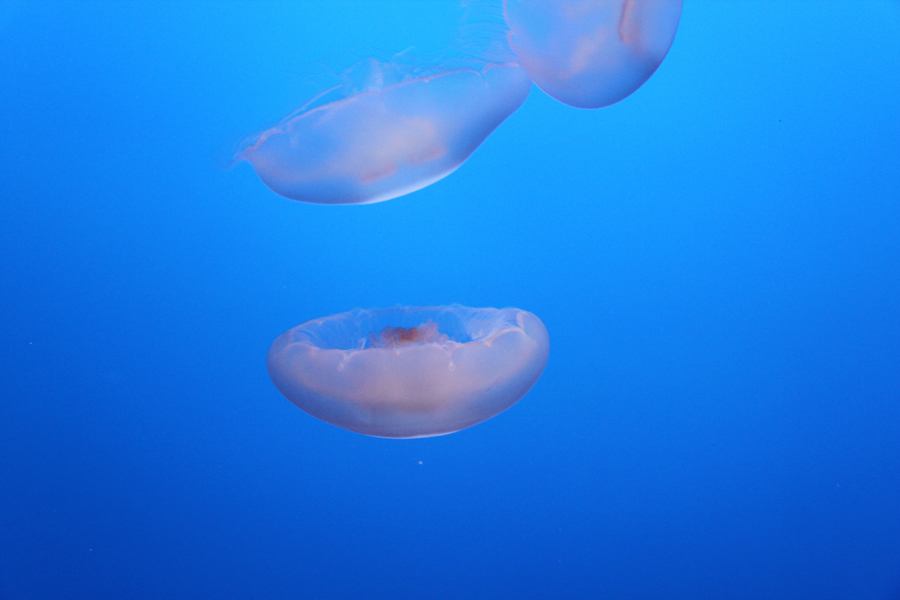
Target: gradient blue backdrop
point(717, 259)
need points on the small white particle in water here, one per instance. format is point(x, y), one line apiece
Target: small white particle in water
point(420, 462)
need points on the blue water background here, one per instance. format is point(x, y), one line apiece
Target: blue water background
point(716, 258)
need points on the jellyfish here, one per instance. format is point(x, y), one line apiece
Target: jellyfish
point(591, 53)
point(410, 372)
point(393, 127)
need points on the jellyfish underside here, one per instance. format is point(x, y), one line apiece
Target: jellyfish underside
point(397, 337)
point(410, 372)
point(591, 53)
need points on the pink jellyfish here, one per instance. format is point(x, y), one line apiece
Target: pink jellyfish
point(397, 134)
point(412, 371)
point(591, 53)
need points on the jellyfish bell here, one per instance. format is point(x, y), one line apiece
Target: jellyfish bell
point(591, 53)
point(389, 139)
point(412, 371)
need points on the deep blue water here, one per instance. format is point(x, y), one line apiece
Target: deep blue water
point(716, 258)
